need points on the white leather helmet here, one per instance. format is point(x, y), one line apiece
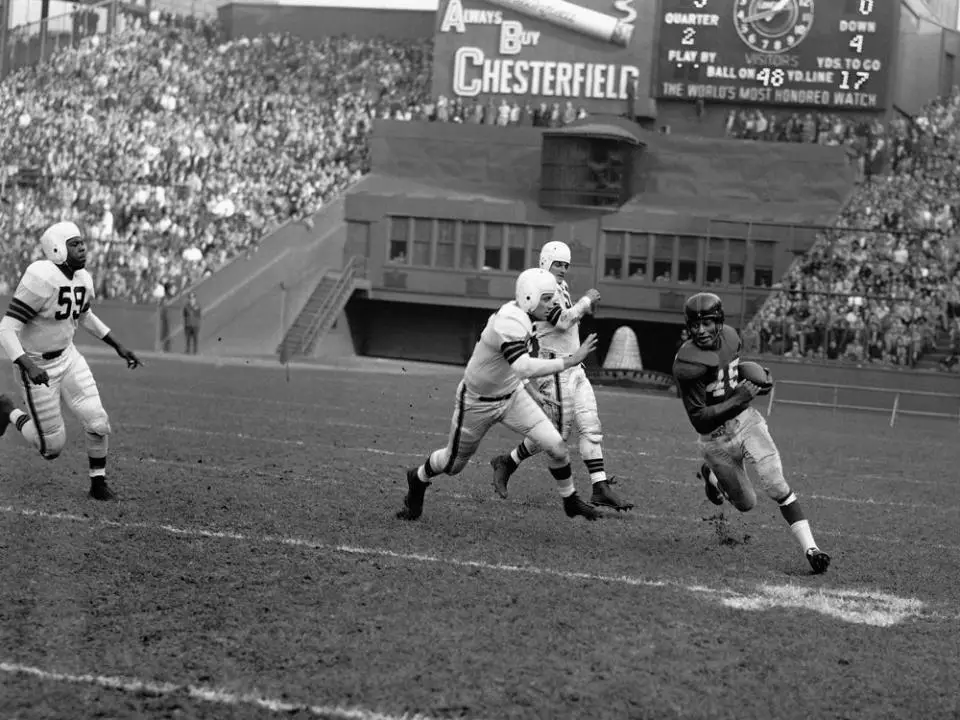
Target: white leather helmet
point(54, 241)
point(554, 251)
point(531, 285)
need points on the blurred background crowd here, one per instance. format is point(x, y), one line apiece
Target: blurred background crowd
point(178, 152)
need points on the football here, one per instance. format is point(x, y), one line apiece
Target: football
point(758, 375)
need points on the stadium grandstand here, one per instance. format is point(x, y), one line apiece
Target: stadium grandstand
point(180, 149)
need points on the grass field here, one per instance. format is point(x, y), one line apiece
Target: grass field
point(253, 566)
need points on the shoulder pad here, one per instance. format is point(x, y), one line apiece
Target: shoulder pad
point(731, 338)
point(39, 278)
point(86, 278)
point(687, 370)
point(511, 323)
point(690, 353)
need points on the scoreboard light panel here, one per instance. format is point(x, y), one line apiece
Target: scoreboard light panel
point(828, 53)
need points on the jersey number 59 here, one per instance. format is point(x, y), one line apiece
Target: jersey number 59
point(727, 378)
point(70, 300)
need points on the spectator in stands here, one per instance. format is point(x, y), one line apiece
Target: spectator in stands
point(191, 323)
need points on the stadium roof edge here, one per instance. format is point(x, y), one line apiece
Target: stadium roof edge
point(406, 5)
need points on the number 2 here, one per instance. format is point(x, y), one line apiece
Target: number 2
point(70, 300)
point(727, 377)
point(688, 36)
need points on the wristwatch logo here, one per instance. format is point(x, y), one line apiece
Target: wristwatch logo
point(773, 26)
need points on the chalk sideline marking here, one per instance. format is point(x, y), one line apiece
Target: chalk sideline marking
point(885, 610)
point(204, 693)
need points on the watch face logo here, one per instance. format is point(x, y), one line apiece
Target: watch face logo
point(773, 26)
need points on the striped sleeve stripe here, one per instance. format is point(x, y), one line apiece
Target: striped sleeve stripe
point(512, 350)
point(18, 314)
point(19, 308)
point(553, 317)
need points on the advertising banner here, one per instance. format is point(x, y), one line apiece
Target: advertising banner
point(591, 52)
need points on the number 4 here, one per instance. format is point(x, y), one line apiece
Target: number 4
point(856, 43)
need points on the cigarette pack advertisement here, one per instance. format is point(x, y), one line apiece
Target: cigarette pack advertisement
point(590, 52)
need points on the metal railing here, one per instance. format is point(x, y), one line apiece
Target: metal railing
point(321, 319)
point(859, 398)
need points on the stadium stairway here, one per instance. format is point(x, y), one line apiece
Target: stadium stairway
point(320, 313)
point(941, 351)
point(250, 304)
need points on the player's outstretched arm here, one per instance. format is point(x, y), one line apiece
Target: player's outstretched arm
point(129, 355)
point(96, 327)
point(527, 367)
point(566, 319)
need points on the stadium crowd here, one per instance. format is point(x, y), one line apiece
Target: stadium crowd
point(882, 286)
point(179, 152)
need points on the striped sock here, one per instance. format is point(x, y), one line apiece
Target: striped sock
point(520, 453)
point(98, 467)
point(564, 477)
point(595, 468)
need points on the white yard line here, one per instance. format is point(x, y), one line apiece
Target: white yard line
point(203, 693)
point(855, 605)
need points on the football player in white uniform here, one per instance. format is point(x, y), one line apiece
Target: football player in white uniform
point(567, 396)
point(53, 297)
point(490, 392)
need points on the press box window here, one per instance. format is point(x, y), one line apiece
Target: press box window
point(763, 264)
point(446, 243)
point(422, 240)
point(738, 259)
point(492, 246)
point(469, 245)
point(399, 240)
point(687, 262)
point(613, 256)
point(638, 254)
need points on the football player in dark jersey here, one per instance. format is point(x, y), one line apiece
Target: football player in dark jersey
point(717, 402)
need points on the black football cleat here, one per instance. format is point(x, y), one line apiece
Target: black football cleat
point(603, 495)
point(6, 407)
point(99, 490)
point(713, 492)
point(413, 500)
point(573, 506)
point(818, 560)
point(503, 467)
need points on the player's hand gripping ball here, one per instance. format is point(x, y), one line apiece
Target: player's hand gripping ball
point(758, 375)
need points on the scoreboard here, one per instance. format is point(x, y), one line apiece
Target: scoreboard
point(829, 53)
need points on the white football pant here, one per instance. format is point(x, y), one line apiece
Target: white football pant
point(473, 416)
point(745, 437)
point(71, 381)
